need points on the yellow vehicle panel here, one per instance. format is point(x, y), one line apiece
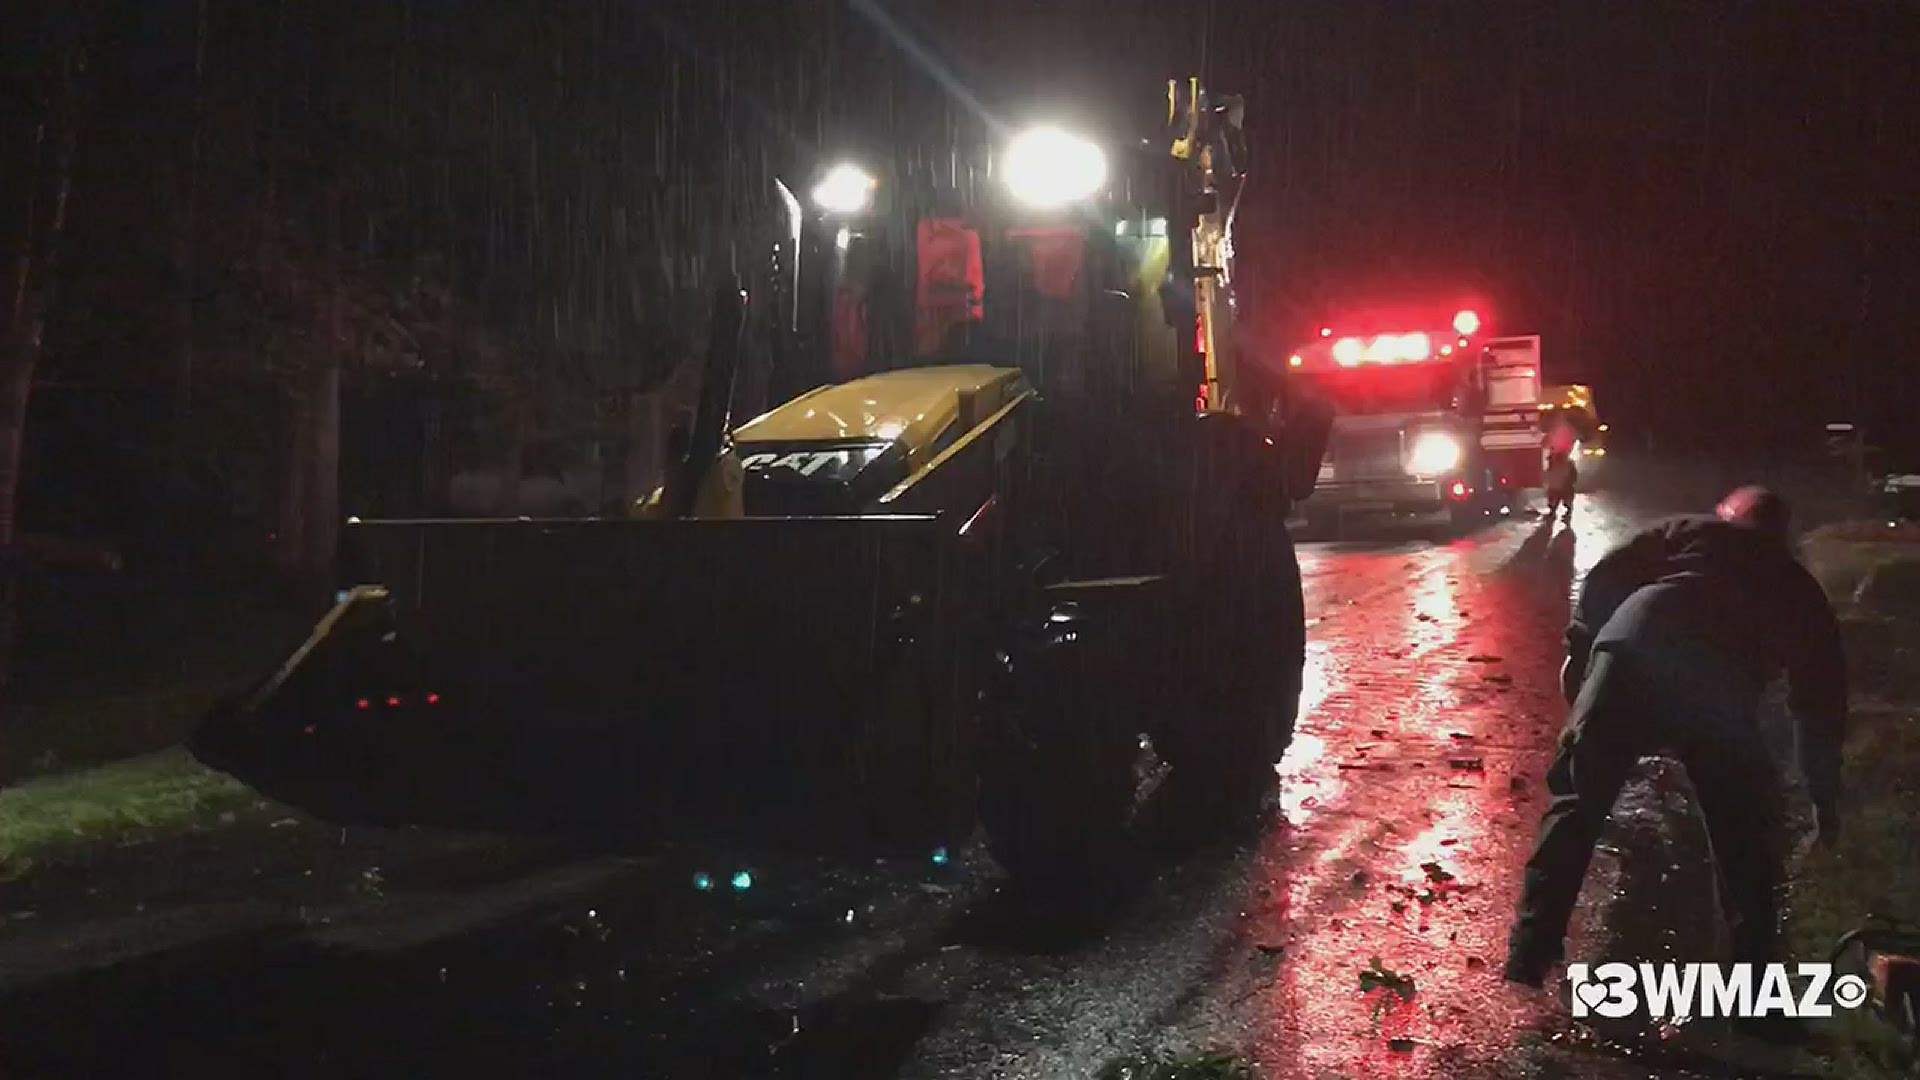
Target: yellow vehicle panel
point(911, 406)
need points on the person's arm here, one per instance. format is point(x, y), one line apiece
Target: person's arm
point(1610, 581)
point(1817, 696)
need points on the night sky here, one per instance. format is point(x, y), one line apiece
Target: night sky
point(1701, 206)
point(1708, 209)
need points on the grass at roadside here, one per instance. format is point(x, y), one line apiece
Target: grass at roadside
point(1875, 869)
point(60, 817)
point(1841, 555)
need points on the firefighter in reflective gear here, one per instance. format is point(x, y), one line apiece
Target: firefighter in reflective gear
point(1672, 643)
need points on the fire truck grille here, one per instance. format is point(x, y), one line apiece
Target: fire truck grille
point(1372, 455)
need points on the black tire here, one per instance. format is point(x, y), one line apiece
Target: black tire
point(1057, 781)
point(1224, 737)
point(1463, 519)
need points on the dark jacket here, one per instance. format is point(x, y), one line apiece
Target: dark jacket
point(1738, 594)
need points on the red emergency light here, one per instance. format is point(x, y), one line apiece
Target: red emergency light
point(1383, 349)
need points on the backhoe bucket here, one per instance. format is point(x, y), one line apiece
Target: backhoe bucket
point(631, 677)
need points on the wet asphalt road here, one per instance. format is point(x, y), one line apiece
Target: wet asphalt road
point(1408, 801)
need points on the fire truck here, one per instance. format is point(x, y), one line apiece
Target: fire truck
point(1433, 416)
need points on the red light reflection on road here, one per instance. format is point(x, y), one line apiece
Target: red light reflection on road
point(1403, 839)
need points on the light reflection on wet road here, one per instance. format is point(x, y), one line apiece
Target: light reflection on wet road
point(1407, 804)
point(1432, 672)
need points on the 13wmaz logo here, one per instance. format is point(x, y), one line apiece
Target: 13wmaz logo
point(1674, 991)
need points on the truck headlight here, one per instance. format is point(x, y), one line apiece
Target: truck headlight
point(1046, 168)
point(1434, 454)
point(845, 189)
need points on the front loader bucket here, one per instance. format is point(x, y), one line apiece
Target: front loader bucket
point(798, 675)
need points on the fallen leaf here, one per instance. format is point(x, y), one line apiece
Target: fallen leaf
point(1401, 1046)
point(1380, 977)
point(1436, 872)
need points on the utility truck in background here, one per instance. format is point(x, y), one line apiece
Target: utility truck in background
point(1433, 417)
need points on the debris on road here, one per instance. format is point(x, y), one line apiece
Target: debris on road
point(1379, 977)
point(1468, 764)
point(1483, 658)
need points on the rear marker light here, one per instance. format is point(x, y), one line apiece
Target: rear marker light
point(433, 699)
point(393, 702)
point(363, 703)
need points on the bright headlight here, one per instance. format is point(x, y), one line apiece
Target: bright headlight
point(1434, 454)
point(1047, 168)
point(845, 189)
